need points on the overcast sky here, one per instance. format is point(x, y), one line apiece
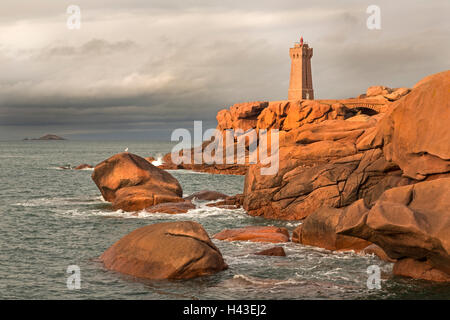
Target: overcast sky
point(137, 69)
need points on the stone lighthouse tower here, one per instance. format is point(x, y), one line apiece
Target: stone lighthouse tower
point(300, 85)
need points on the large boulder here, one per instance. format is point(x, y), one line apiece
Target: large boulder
point(406, 222)
point(254, 234)
point(274, 252)
point(415, 133)
point(132, 183)
point(319, 230)
point(171, 250)
point(376, 250)
point(232, 202)
point(416, 269)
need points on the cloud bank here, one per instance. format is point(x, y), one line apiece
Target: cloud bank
point(139, 69)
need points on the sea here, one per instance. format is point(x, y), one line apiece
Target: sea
point(52, 219)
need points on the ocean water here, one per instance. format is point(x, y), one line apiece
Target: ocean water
point(52, 218)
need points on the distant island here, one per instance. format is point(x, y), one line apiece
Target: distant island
point(47, 137)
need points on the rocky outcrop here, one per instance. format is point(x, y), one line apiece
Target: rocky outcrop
point(171, 250)
point(319, 230)
point(171, 207)
point(376, 250)
point(417, 269)
point(84, 166)
point(382, 92)
point(254, 234)
point(324, 164)
point(232, 202)
point(150, 159)
point(50, 137)
point(415, 132)
point(131, 183)
point(242, 116)
point(409, 222)
point(214, 168)
point(207, 195)
point(333, 163)
point(275, 251)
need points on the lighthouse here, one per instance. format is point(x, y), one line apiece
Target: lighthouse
point(300, 84)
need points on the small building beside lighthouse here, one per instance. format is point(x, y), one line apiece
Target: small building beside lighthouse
point(300, 84)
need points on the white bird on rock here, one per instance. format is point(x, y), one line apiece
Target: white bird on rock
point(126, 149)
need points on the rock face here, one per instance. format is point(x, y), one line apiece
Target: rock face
point(409, 222)
point(319, 230)
point(131, 183)
point(240, 116)
point(323, 164)
point(254, 234)
point(415, 133)
point(275, 251)
point(335, 162)
point(171, 250)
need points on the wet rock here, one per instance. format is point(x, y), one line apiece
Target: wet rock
point(254, 234)
point(275, 251)
point(416, 269)
point(171, 250)
point(84, 166)
point(207, 195)
point(319, 230)
point(232, 202)
point(131, 183)
point(171, 207)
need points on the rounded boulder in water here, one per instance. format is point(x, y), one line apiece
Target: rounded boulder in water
point(170, 250)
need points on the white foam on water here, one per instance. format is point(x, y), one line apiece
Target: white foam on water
point(59, 201)
point(249, 280)
point(184, 171)
point(159, 161)
point(193, 214)
point(86, 169)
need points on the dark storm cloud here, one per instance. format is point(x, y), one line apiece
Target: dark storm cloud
point(152, 66)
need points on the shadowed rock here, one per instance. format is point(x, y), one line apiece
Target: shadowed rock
point(275, 251)
point(406, 222)
point(319, 230)
point(171, 250)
